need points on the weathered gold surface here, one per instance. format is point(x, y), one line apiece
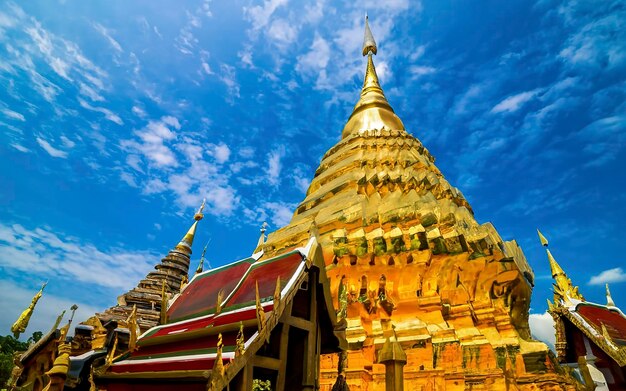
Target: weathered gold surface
point(401, 245)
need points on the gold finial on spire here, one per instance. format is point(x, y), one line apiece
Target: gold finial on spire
point(372, 112)
point(187, 241)
point(199, 214)
point(21, 323)
point(542, 239)
point(369, 44)
point(609, 299)
point(200, 267)
point(262, 237)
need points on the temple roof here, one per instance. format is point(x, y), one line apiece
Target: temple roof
point(188, 342)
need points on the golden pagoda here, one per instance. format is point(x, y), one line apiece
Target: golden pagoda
point(422, 281)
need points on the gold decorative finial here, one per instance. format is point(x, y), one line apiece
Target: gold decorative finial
point(260, 313)
point(542, 239)
point(21, 323)
point(369, 44)
point(241, 342)
point(187, 241)
point(217, 374)
point(131, 322)
point(277, 295)
point(218, 304)
point(609, 299)
point(372, 112)
point(199, 215)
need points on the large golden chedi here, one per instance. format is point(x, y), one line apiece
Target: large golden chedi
point(408, 262)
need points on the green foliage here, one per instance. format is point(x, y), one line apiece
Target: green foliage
point(8, 347)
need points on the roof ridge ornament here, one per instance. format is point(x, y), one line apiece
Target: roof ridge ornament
point(609, 299)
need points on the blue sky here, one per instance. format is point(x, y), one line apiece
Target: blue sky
point(117, 118)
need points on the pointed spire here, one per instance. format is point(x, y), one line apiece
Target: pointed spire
point(201, 264)
point(372, 112)
point(262, 237)
point(563, 287)
point(609, 299)
point(187, 241)
point(555, 268)
point(21, 323)
point(542, 239)
point(369, 44)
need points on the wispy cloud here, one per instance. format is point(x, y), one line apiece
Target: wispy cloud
point(108, 114)
point(12, 114)
point(514, 102)
point(52, 151)
point(107, 35)
point(22, 250)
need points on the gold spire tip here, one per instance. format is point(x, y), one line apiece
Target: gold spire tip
point(542, 239)
point(369, 44)
point(199, 214)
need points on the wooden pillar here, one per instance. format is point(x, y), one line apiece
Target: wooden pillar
point(311, 362)
point(394, 359)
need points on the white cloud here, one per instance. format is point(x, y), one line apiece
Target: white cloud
point(50, 149)
point(282, 32)
point(67, 142)
point(274, 165)
point(420, 70)
point(139, 112)
point(316, 59)
point(153, 138)
point(228, 77)
point(260, 15)
point(542, 328)
point(20, 148)
point(515, 102)
point(220, 152)
point(207, 68)
point(280, 213)
point(12, 114)
point(90, 92)
point(608, 276)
